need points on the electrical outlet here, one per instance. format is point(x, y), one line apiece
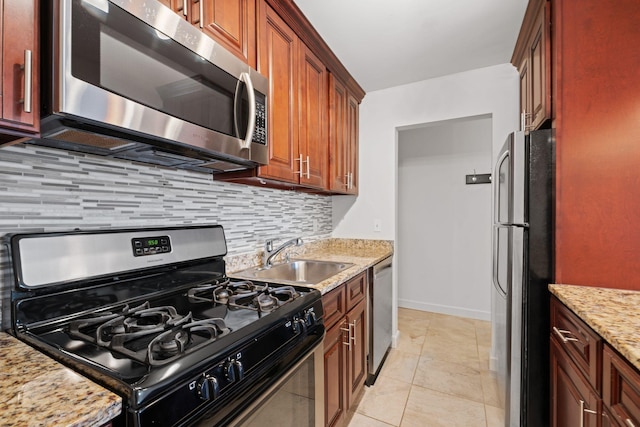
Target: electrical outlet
point(377, 225)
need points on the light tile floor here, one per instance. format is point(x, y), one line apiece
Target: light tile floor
point(438, 376)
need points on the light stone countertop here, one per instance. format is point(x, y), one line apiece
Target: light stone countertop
point(38, 391)
point(612, 313)
point(362, 253)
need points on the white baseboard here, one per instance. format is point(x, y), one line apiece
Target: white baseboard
point(444, 309)
point(394, 339)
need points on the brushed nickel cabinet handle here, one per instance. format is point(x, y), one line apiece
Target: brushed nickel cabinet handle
point(354, 332)
point(584, 410)
point(308, 171)
point(629, 422)
point(348, 330)
point(28, 81)
point(201, 13)
point(299, 171)
point(561, 332)
point(184, 7)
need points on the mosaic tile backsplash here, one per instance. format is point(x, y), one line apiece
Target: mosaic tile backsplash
point(43, 189)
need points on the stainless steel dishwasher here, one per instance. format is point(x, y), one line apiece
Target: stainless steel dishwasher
point(380, 321)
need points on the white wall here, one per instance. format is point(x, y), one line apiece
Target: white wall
point(444, 225)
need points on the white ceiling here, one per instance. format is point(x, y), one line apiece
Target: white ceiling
point(385, 44)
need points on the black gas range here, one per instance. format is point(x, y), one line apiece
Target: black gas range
point(151, 315)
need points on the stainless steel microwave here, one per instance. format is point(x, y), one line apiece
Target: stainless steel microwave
point(131, 79)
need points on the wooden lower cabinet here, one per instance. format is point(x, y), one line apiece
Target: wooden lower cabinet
point(621, 389)
point(571, 394)
point(335, 369)
point(592, 385)
point(345, 349)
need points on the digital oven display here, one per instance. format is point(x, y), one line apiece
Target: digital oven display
point(151, 245)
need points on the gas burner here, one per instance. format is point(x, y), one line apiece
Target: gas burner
point(174, 343)
point(266, 302)
point(138, 323)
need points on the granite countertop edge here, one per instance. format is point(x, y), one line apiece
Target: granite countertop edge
point(614, 314)
point(37, 390)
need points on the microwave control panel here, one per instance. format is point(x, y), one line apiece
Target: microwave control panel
point(260, 133)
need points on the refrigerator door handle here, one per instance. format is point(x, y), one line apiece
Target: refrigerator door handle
point(496, 259)
point(495, 180)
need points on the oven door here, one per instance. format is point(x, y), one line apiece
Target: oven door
point(296, 400)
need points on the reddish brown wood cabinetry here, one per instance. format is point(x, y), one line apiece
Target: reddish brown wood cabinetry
point(313, 142)
point(345, 348)
point(532, 57)
point(591, 384)
point(20, 65)
point(596, 92)
point(571, 394)
point(279, 62)
point(232, 23)
point(343, 148)
point(621, 389)
point(297, 125)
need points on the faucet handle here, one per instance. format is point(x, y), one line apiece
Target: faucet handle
point(268, 245)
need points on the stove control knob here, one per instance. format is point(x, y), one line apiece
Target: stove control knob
point(310, 318)
point(234, 371)
point(208, 388)
point(230, 372)
point(239, 369)
point(299, 326)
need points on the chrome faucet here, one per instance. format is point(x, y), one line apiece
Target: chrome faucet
point(270, 253)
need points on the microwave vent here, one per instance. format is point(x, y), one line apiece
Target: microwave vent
point(104, 142)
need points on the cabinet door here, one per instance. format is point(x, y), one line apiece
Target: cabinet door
point(357, 358)
point(20, 64)
point(312, 138)
point(620, 389)
point(353, 117)
point(232, 23)
point(540, 54)
point(335, 372)
point(278, 46)
point(525, 94)
point(338, 150)
point(571, 395)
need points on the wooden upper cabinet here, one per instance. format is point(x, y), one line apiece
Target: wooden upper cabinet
point(20, 65)
point(232, 23)
point(353, 123)
point(532, 57)
point(278, 61)
point(343, 144)
point(313, 145)
point(338, 178)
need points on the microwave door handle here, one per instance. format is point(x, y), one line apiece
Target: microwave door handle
point(252, 109)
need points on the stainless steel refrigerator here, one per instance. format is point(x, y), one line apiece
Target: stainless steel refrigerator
point(523, 184)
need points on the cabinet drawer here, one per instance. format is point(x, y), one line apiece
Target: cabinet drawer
point(356, 289)
point(581, 343)
point(334, 306)
point(620, 388)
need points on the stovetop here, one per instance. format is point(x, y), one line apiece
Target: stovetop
point(151, 315)
point(152, 329)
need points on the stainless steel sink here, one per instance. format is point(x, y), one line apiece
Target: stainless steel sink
point(308, 272)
